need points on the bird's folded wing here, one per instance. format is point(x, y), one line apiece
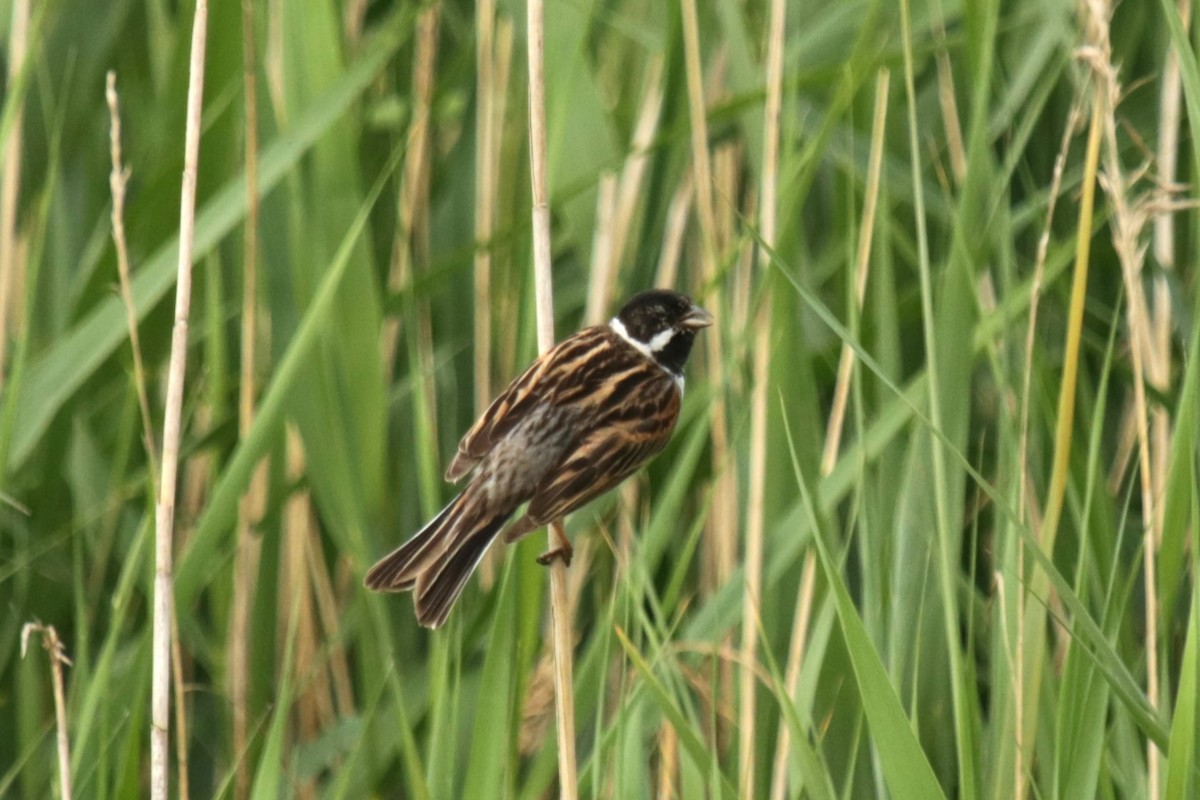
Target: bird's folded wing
point(536, 384)
point(604, 458)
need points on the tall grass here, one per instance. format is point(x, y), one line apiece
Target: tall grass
point(984, 585)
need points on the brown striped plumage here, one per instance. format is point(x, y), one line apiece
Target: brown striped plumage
point(578, 421)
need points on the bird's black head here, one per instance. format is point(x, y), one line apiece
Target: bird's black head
point(662, 324)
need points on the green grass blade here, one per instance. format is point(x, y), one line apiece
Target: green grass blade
point(906, 768)
point(199, 557)
point(60, 372)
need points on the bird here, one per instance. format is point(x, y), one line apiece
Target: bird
point(583, 417)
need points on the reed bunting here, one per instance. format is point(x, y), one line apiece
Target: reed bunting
point(582, 418)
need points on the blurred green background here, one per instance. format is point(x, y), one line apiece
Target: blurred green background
point(929, 644)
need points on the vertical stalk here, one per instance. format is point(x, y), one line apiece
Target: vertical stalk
point(603, 265)
point(722, 529)
point(543, 287)
point(701, 160)
point(485, 195)
point(833, 431)
point(674, 231)
point(1025, 502)
point(945, 564)
point(58, 657)
point(412, 216)
point(752, 593)
point(118, 180)
point(10, 187)
point(1126, 234)
point(246, 559)
point(1159, 357)
point(633, 172)
point(160, 712)
point(1159, 338)
point(1035, 613)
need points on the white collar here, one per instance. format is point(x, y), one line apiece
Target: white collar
point(657, 343)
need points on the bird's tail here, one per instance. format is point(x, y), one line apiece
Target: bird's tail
point(436, 562)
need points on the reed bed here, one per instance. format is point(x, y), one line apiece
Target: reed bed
point(925, 527)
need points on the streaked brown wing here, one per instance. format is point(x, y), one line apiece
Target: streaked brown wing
point(609, 454)
point(521, 397)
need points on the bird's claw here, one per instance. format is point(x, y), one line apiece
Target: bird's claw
point(561, 553)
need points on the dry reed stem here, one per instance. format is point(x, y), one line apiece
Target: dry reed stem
point(498, 60)
point(11, 266)
point(1168, 155)
point(602, 252)
point(317, 704)
point(673, 233)
point(250, 505)
point(273, 66)
point(862, 268)
point(795, 661)
point(172, 420)
point(503, 63)
point(485, 195)
point(539, 706)
point(833, 431)
point(752, 590)
point(409, 244)
point(1129, 253)
point(701, 161)
point(755, 511)
point(180, 694)
point(118, 179)
point(1159, 354)
point(312, 707)
point(1026, 499)
point(413, 203)
point(721, 532)
point(727, 158)
point(245, 578)
point(1128, 221)
point(1065, 414)
point(634, 170)
point(946, 98)
point(420, 187)
point(509, 150)
point(668, 765)
point(54, 647)
point(722, 528)
point(331, 615)
point(564, 692)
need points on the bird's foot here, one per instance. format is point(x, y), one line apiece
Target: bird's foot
point(563, 552)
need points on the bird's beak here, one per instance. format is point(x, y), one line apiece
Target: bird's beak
point(697, 318)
